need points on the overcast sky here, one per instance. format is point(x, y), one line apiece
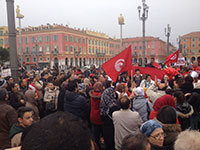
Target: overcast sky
point(102, 15)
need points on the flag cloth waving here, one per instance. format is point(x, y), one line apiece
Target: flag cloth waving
point(172, 58)
point(120, 63)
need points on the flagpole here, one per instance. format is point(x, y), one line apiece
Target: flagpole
point(131, 78)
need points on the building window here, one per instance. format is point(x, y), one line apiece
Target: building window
point(153, 44)
point(27, 59)
point(33, 39)
point(47, 38)
point(76, 39)
point(80, 40)
point(75, 49)
point(40, 49)
point(199, 50)
point(193, 45)
point(48, 59)
point(1, 33)
point(41, 39)
point(89, 50)
point(66, 48)
point(40, 58)
point(6, 41)
point(85, 41)
point(66, 38)
point(55, 48)
point(55, 37)
point(184, 40)
point(47, 48)
point(33, 49)
point(193, 39)
point(199, 45)
point(71, 48)
point(34, 59)
point(80, 50)
point(89, 41)
point(26, 40)
point(26, 50)
point(199, 38)
point(93, 50)
point(71, 39)
point(152, 52)
point(140, 47)
point(1, 41)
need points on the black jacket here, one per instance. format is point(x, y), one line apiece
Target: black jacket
point(76, 104)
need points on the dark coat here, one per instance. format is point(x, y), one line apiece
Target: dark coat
point(8, 117)
point(76, 104)
point(14, 99)
point(171, 131)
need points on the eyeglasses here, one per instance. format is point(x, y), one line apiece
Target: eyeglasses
point(158, 136)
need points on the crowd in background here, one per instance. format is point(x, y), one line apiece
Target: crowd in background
point(85, 109)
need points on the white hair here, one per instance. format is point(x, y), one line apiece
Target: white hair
point(188, 140)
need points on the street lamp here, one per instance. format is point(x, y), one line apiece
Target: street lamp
point(121, 22)
point(167, 34)
point(20, 16)
point(12, 39)
point(143, 17)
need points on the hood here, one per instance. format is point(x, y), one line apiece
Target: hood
point(165, 100)
point(96, 95)
point(70, 96)
point(139, 102)
point(16, 128)
point(170, 127)
point(186, 112)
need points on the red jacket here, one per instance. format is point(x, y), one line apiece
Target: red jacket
point(95, 117)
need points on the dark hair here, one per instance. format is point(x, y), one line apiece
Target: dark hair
point(107, 84)
point(137, 70)
point(153, 58)
point(169, 91)
point(60, 129)
point(167, 115)
point(3, 93)
point(22, 110)
point(180, 97)
point(72, 85)
point(189, 79)
point(124, 102)
point(135, 142)
point(180, 81)
point(147, 75)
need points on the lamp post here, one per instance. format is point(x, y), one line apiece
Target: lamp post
point(121, 22)
point(20, 16)
point(12, 39)
point(143, 17)
point(167, 34)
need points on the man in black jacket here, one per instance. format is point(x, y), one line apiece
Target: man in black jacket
point(74, 102)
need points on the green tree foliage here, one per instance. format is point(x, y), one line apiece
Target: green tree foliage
point(4, 54)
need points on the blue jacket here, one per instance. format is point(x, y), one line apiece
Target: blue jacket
point(76, 104)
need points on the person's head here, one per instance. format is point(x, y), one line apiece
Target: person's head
point(3, 94)
point(37, 77)
point(188, 140)
point(167, 115)
point(137, 71)
point(73, 85)
point(23, 83)
point(121, 88)
point(50, 85)
point(98, 87)
point(135, 142)
point(139, 91)
point(154, 132)
point(60, 130)
point(15, 87)
point(107, 84)
point(124, 102)
point(10, 80)
point(195, 63)
point(148, 77)
point(25, 116)
point(152, 59)
point(179, 97)
point(178, 82)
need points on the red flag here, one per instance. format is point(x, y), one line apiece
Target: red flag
point(156, 65)
point(172, 58)
point(120, 63)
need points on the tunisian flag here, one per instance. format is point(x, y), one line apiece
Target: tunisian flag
point(120, 63)
point(172, 58)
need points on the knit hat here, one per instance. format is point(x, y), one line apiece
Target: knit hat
point(2, 82)
point(139, 91)
point(149, 127)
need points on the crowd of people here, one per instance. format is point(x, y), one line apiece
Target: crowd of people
point(84, 109)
